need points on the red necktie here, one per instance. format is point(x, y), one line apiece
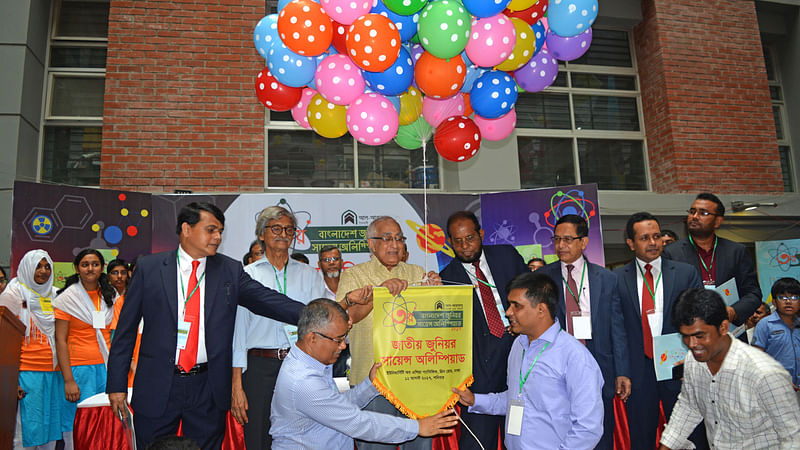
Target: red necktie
point(572, 300)
point(648, 304)
point(489, 306)
point(191, 313)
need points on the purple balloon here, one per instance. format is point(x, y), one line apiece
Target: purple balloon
point(569, 48)
point(540, 72)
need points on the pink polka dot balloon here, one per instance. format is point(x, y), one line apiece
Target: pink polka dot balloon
point(339, 80)
point(372, 119)
point(436, 110)
point(497, 129)
point(346, 11)
point(491, 40)
point(300, 110)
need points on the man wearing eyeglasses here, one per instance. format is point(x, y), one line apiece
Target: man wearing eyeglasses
point(648, 287)
point(716, 259)
point(260, 344)
point(308, 411)
point(385, 239)
point(589, 309)
point(330, 266)
point(489, 268)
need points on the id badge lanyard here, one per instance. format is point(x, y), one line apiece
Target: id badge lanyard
point(580, 288)
point(516, 408)
point(183, 287)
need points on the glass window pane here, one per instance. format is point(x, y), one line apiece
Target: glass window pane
point(561, 78)
point(545, 162)
point(786, 167)
point(776, 116)
point(72, 155)
point(609, 48)
point(281, 116)
point(768, 62)
point(594, 112)
point(84, 57)
point(543, 110)
point(306, 159)
point(775, 93)
point(82, 19)
point(77, 97)
point(391, 166)
point(612, 164)
point(598, 81)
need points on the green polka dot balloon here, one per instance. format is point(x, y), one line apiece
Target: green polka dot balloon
point(405, 7)
point(444, 27)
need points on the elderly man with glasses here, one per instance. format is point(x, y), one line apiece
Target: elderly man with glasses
point(385, 238)
point(260, 344)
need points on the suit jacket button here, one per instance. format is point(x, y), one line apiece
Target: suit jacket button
point(172, 360)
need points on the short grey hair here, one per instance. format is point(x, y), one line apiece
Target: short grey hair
point(373, 226)
point(328, 248)
point(317, 314)
point(272, 213)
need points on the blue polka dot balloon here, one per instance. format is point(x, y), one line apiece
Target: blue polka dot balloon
point(290, 68)
point(396, 79)
point(540, 34)
point(406, 25)
point(265, 34)
point(568, 18)
point(485, 8)
point(493, 94)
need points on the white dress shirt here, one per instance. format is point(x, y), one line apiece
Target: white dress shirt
point(577, 271)
point(184, 272)
point(658, 302)
point(484, 265)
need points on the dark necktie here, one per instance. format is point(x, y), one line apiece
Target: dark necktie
point(572, 300)
point(648, 304)
point(489, 306)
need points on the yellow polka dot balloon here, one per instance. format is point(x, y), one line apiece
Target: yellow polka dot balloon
point(327, 119)
point(524, 48)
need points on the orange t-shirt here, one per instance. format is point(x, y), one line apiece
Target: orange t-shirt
point(36, 353)
point(82, 340)
point(117, 308)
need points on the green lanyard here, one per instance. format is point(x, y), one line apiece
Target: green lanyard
point(183, 288)
point(281, 289)
point(523, 380)
point(652, 291)
point(481, 281)
point(580, 288)
point(713, 252)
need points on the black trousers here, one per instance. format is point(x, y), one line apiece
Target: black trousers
point(259, 384)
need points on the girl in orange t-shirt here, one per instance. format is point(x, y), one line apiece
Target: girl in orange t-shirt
point(84, 310)
point(43, 411)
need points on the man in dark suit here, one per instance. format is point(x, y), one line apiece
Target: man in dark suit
point(188, 301)
point(716, 259)
point(489, 269)
point(649, 285)
point(589, 309)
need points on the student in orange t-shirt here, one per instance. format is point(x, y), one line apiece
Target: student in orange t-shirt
point(84, 310)
point(118, 276)
point(43, 411)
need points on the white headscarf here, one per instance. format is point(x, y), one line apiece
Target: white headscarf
point(23, 288)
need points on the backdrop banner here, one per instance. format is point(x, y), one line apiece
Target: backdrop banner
point(774, 260)
point(423, 338)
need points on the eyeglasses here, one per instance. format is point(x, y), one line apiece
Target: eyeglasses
point(277, 229)
point(700, 212)
point(466, 239)
point(566, 239)
point(3, 281)
point(331, 259)
point(788, 298)
point(338, 341)
point(649, 237)
point(389, 238)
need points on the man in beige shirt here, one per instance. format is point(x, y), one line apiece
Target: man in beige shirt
point(384, 269)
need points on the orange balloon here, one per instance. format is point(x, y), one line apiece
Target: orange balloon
point(468, 109)
point(305, 28)
point(373, 42)
point(440, 78)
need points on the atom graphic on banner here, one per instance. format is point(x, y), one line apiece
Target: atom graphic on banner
point(570, 202)
point(503, 234)
point(399, 314)
point(784, 257)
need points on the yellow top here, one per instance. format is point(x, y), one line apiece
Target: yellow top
point(356, 277)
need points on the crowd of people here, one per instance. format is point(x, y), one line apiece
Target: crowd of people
point(554, 348)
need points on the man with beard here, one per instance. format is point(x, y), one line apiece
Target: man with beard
point(716, 259)
point(488, 269)
point(330, 266)
point(260, 344)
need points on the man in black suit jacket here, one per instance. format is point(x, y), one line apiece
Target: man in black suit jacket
point(164, 395)
point(717, 260)
point(669, 278)
point(595, 294)
point(499, 264)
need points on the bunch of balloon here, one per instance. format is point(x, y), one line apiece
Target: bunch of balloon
point(414, 71)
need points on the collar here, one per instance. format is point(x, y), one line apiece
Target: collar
point(578, 263)
point(656, 263)
point(774, 317)
point(378, 264)
point(549, 335)
point(186, 260)
point(307, 359)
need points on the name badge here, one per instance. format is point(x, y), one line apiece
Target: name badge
point(582, 326)
point(709, 284)
point(183, 333)
point(46, 305)
point(514, 416)
point(655, 319)
point(98, 319)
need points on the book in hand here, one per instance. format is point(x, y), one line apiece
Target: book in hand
point(668, 349)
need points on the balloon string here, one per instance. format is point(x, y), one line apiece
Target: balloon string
point(425, 200)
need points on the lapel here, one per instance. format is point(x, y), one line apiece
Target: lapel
point(213, 285)
point(169, 280)
point(631, 285)
point(690, 255)
point(595, 292)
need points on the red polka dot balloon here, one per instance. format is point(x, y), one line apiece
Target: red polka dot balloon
point(273, 94)
point(457, 138)
point(530, 15)
point(373, 42)
point(339, 37)
point(305, 28)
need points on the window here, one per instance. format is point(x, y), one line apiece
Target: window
point(73, 116)
point(779, 115)
point(586, 127)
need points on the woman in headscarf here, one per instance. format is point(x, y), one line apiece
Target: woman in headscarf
point(84, 310)
point(44, 413)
